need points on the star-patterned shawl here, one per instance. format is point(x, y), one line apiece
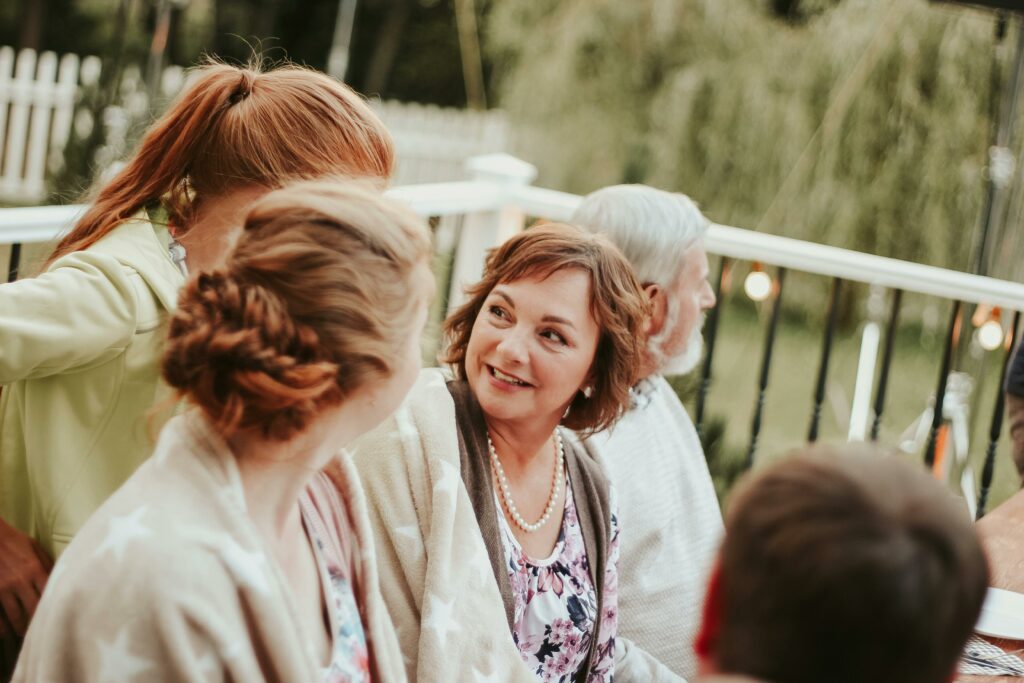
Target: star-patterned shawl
point(170, 581)
point(435, 570)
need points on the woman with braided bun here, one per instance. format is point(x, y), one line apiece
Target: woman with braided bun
point(79, 343)
point(241, 549)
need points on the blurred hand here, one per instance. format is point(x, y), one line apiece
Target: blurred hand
point(24, 568)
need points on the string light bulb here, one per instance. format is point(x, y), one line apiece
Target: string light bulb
point(990, 333)
point(758, 284)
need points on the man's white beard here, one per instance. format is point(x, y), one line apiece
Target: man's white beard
point(689, 358)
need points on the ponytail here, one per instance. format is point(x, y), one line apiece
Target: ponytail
point(234, 127)
point(159, 167)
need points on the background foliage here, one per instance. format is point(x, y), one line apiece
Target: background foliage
point(863, 124)
point(859, 123)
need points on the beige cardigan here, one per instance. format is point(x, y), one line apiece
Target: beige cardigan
point(436, 573)
point(169, 580)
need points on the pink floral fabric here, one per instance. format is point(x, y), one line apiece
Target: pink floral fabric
point(350, 656)
point(556, 602)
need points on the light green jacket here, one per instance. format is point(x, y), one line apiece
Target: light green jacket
point(79, 364)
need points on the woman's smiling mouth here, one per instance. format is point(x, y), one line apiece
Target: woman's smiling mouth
point(507, 378)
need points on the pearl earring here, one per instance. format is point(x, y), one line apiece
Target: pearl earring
point(588, 391)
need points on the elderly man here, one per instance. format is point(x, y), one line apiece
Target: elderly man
point(668, 511)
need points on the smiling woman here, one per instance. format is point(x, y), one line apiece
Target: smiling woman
point(532, 342)
point(492, 483)
point(573, 279)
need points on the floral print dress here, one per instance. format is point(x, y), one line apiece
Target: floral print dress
point(556, 602)
point(350, 656)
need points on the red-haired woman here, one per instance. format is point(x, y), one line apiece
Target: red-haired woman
point(230, 554)
point(79, 344)
point(497, 533)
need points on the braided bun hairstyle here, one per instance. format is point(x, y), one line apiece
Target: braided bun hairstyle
point(318, 297)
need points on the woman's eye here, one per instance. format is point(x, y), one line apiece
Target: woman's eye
point(551, 335)
point(498, 312)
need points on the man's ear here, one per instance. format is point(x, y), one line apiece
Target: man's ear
point(659, 309)
point(706, 642)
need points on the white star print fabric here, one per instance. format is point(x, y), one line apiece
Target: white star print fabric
point(169, 580)
point(435, 573)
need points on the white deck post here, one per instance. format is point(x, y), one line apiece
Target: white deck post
point(861, 409)
point(486, 229)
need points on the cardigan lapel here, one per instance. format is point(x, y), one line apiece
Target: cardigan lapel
point(476, 474)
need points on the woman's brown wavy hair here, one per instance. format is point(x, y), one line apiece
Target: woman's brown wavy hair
point(318, 297)
point(617, 303)
point(234, 127)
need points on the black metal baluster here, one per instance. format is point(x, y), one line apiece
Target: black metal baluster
point(883, 379)
point(940, 394)
point(997, 421)
point(826, 352)
point(766, 359)
point(15, 261)
point(712, 331)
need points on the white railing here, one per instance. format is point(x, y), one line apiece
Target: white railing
point(477, 214)
point(498, 199)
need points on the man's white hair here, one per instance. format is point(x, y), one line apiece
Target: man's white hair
point(652, 227)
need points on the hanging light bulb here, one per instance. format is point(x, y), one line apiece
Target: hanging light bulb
point(990, 333)
point(758, 284)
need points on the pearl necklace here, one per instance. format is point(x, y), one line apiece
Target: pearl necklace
point(506, 494)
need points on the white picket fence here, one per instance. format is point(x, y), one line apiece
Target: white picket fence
point(433, 144)
point(37, 107)
point(39, 92)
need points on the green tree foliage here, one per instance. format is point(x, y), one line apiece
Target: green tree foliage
point(407, 50)
point(864, 124)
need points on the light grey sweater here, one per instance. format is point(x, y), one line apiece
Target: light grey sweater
point(670, 520)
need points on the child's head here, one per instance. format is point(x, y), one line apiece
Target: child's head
point(324, 294)
point(842, 566)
